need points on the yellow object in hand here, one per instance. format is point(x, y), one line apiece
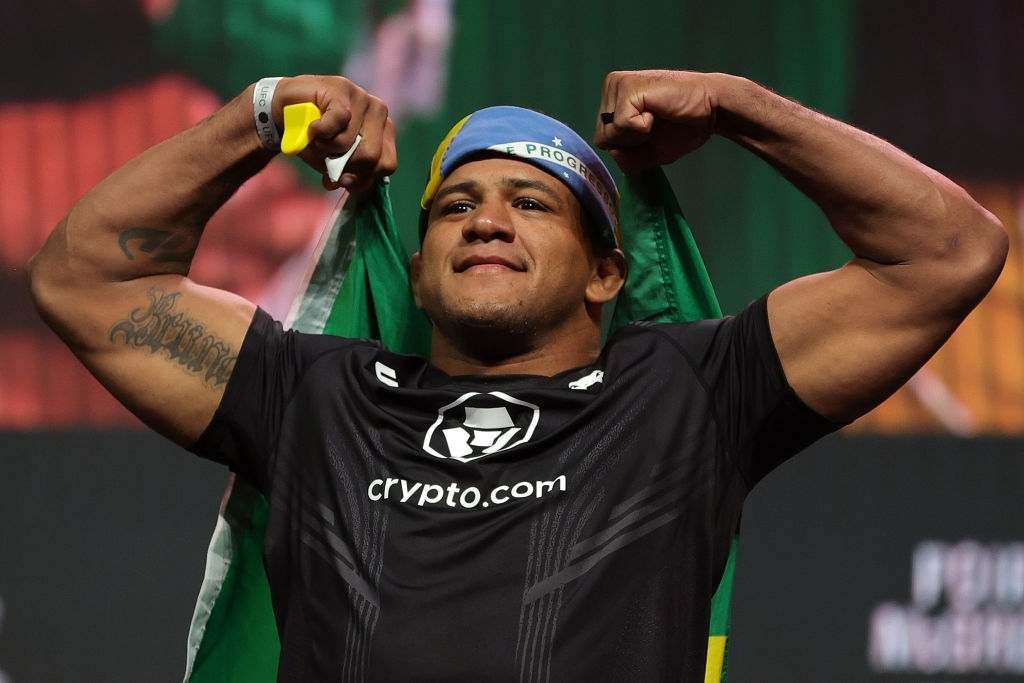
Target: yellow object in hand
point(297, 118)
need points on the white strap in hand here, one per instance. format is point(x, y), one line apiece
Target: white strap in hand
point(336, 165)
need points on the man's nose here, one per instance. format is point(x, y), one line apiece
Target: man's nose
point(489, 223)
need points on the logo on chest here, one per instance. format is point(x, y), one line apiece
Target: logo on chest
point(476, 425)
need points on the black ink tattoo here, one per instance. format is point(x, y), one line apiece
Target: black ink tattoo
point(158, 327)
point(159, 245)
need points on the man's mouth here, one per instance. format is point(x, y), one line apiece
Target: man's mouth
point(492, 263)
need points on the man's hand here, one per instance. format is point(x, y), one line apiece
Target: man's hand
point(651, 118)
point(346, 110)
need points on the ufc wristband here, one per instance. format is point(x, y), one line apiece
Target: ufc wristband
point(262, 103)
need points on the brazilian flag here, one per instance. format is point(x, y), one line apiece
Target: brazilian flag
point(358, 287)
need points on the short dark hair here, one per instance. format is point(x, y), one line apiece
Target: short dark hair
point(599, 246)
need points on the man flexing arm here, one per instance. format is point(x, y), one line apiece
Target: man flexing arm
point(924, 252)
point(112, 279)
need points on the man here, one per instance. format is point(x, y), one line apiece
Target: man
point(525, 504)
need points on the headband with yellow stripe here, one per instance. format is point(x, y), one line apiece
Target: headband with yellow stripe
point(536, 139)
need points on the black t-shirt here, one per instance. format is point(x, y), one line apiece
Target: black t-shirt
point(513, 528)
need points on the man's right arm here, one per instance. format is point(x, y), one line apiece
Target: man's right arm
point(112, 279)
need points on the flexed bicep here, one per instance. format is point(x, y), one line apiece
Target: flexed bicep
point(847, 339)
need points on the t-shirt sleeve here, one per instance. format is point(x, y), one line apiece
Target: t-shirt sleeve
point(761, 419)
point(272, 362)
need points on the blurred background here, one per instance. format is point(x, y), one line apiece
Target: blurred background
point(892, 551)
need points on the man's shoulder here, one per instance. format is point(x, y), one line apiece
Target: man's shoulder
point(319, 345)
point(358, 355)
point(674, 329)
point(708, 346)
point(690, 339)
point(301, 350)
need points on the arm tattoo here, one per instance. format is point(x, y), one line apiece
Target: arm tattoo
point(159, 328)
point(159, 245)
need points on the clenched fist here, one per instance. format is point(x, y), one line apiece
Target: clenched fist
point(346, 110)
point(651, 118)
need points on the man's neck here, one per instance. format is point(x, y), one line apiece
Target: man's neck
point(571, 346)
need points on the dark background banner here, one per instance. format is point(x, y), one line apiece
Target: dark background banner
point(103, 541)
point(104, 538)
point(829, 544)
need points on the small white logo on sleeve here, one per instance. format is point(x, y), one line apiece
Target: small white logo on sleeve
point(385, 374)
point(587, 381)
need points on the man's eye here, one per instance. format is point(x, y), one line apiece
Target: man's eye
point(529, 204)
point(457, 207)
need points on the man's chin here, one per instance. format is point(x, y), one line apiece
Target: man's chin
point(486, 327)
point(508, 317)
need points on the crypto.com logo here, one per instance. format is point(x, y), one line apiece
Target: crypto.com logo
point(476, 425)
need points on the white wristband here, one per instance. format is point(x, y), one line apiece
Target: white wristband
point(262, 111)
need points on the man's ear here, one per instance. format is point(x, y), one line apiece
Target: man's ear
point(415, 265)
point(607, 278)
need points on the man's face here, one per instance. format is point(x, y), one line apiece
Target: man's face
point(504, 250)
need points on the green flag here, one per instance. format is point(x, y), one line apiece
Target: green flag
point(359, 287)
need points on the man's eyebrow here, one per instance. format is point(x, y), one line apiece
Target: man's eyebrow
point(470, 187)
point(528, 184)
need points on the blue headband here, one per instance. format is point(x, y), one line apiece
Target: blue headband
point(536, 139)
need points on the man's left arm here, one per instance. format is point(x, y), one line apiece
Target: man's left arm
point(925, 252)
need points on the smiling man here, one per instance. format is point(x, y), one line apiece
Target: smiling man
point(525, 504)
point(509, 229)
